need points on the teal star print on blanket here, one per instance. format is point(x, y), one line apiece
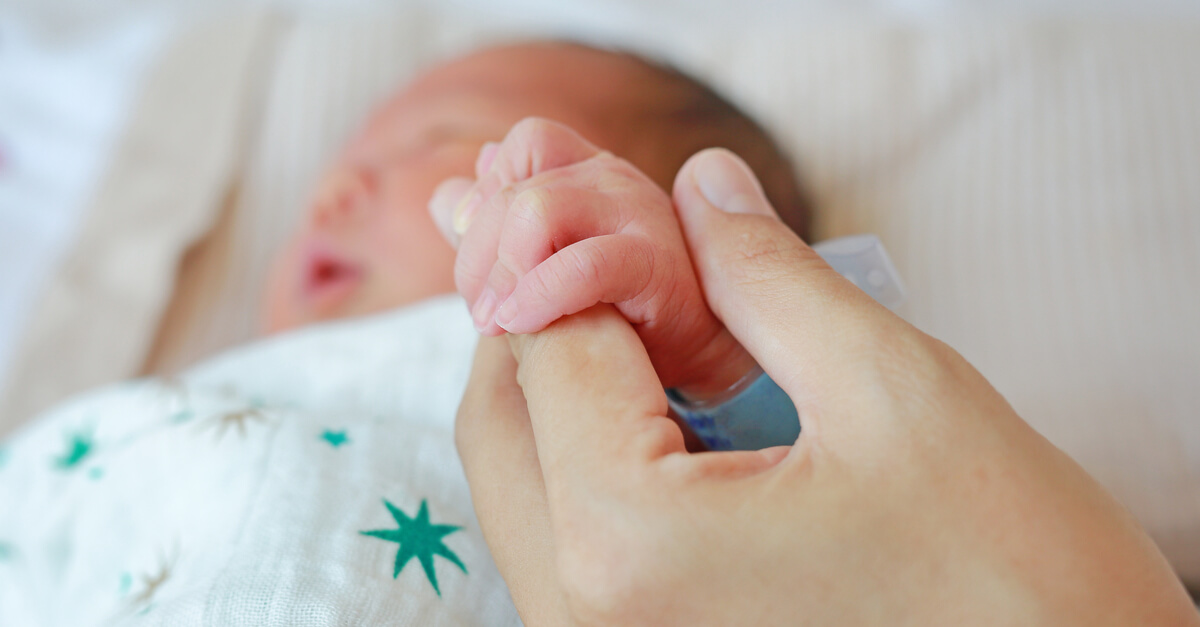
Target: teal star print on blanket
point(420, 539)
point(79, 446)
point(334, 438)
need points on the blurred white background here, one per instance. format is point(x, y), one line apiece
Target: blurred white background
point(68, 69)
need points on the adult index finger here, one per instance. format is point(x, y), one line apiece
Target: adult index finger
point(596, 405)
point(495, 443)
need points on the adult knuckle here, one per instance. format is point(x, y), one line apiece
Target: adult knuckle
point(756, 257)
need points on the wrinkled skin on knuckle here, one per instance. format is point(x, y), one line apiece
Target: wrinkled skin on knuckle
point(576, 269)
point(927, 396)
point(653, 287)
point(761, 257)
point(925, 369)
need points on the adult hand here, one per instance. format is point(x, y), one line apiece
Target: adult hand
point(915, 495)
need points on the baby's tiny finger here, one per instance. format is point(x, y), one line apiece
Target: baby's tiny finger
point(500, 284)
point(441, 206)
point(487, 156)
point(531, 147)
point(604, 269)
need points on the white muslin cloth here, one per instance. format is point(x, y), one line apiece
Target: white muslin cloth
point(280, 484)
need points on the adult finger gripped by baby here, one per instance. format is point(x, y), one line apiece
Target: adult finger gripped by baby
point(471, 215)
point(544, 182)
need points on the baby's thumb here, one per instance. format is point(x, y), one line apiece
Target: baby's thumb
point(797, 316)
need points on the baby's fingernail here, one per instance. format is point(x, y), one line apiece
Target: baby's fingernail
point(463, 212)
point(507, 313)
point(482, 314)
point(441, 205)
point(487, 155)
point(729, 184)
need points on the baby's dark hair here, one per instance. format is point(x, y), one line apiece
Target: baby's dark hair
point(684, 116)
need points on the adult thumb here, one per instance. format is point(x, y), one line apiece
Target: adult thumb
point(808, 327)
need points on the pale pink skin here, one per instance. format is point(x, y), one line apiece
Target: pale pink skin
point(368, 244)
point(556, 225)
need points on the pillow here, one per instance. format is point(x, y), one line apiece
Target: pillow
point(94, 320)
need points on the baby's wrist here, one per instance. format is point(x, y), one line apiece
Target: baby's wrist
point(753, 413)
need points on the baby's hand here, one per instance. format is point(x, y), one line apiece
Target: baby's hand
point(553, 225)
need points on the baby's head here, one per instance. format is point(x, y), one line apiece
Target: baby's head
point(368, 243)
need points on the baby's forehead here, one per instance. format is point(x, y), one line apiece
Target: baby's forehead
point(486, 92)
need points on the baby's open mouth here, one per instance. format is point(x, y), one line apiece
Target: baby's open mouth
point(329, 279)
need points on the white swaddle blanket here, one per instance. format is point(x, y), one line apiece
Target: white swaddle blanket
point(240, 493)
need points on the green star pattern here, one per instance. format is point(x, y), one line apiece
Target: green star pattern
point(78, 447)
point(417, 538)
point(335, 438)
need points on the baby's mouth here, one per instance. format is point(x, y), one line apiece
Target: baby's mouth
point(329, 279)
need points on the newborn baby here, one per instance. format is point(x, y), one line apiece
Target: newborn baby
point(368, 244)
point(554, 225)
point(311, 479)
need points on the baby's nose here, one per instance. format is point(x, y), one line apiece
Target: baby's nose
point(345, 196)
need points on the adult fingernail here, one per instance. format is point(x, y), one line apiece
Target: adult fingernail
point(464, 210)
point(482, 314)
point(728, 183)
point(507, 313)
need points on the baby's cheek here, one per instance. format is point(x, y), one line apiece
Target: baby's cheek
point(281, 309)
point(412, 260)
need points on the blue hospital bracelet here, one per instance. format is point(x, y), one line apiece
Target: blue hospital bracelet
point(755, 413)
point(757, 416)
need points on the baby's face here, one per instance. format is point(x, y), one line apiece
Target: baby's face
point(368, 243)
